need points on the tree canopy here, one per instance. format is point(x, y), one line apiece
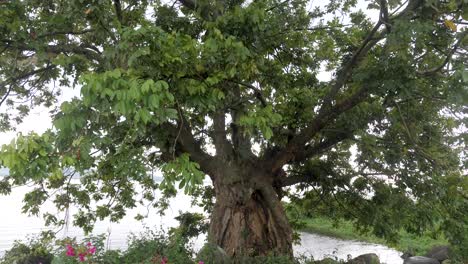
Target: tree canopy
point(355, 109)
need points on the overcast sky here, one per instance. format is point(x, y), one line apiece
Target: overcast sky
point(39, 119)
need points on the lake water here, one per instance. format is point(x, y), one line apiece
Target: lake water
point(16, 226)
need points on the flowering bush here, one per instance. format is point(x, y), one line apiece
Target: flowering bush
point(69, 251)
point(80, 252)
point(150, 247)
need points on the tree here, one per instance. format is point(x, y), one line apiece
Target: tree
point(233, 90)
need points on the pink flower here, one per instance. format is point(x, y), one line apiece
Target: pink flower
point(164, 260)
point(91, 250)
point(70, 251)
point(81, 256)
point(201, 262)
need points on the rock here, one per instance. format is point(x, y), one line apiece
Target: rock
point(212, 254)
point(370, 258)
point(420, 260)
point(406, 255)
point(440, 253)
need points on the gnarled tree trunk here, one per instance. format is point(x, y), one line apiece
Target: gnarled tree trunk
point(249, 221)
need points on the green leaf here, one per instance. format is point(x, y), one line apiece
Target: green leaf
point(465, 76)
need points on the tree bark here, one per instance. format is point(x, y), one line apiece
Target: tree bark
point(248, 221)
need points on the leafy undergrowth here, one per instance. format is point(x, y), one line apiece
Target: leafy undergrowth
point(147, 248)
point(345, 230)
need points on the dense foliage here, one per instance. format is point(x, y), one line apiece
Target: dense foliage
point(363, 112)
point(148, 247)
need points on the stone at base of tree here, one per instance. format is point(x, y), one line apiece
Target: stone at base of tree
point(420, 260)
point(370, 258)
point(212, 254)
point(440, 253)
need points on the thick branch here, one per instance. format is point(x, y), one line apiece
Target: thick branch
point(295, 146)
point(323, 146)
point(345, 72)
point(57, 49)
point(222, 145)
point(186, 142)
point(190, 4)
point(384, 17)
point(410, 8)
point(118, 10)
point(311, 151)
point(241, 142)
point(369, 42)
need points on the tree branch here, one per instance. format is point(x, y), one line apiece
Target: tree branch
point(20, 77)
point(5, 96)
point(298, 178)
point(384, 17)
point(223, 146)
point(118, 10)
point(327, 113)
point(190, 4)
point(323, 146)
point(241, 143)
point(295, 146)
point(447, 58)
point(346, 71)
point(257, 92)
point(370, 41)
point(68, 32)
point(186, 142)
point(65, 48)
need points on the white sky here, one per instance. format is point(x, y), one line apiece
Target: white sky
point(39, 119)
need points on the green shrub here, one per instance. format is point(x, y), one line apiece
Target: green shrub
point(32, 252)
point(148, 247)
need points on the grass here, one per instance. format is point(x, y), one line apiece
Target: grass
point(345, 230)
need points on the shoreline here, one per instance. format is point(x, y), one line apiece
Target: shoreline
point(345, 230)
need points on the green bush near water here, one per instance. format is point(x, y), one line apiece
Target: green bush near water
point(32, 252)
point(417, 245)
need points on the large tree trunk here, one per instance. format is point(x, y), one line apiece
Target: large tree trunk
point(249, 221)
